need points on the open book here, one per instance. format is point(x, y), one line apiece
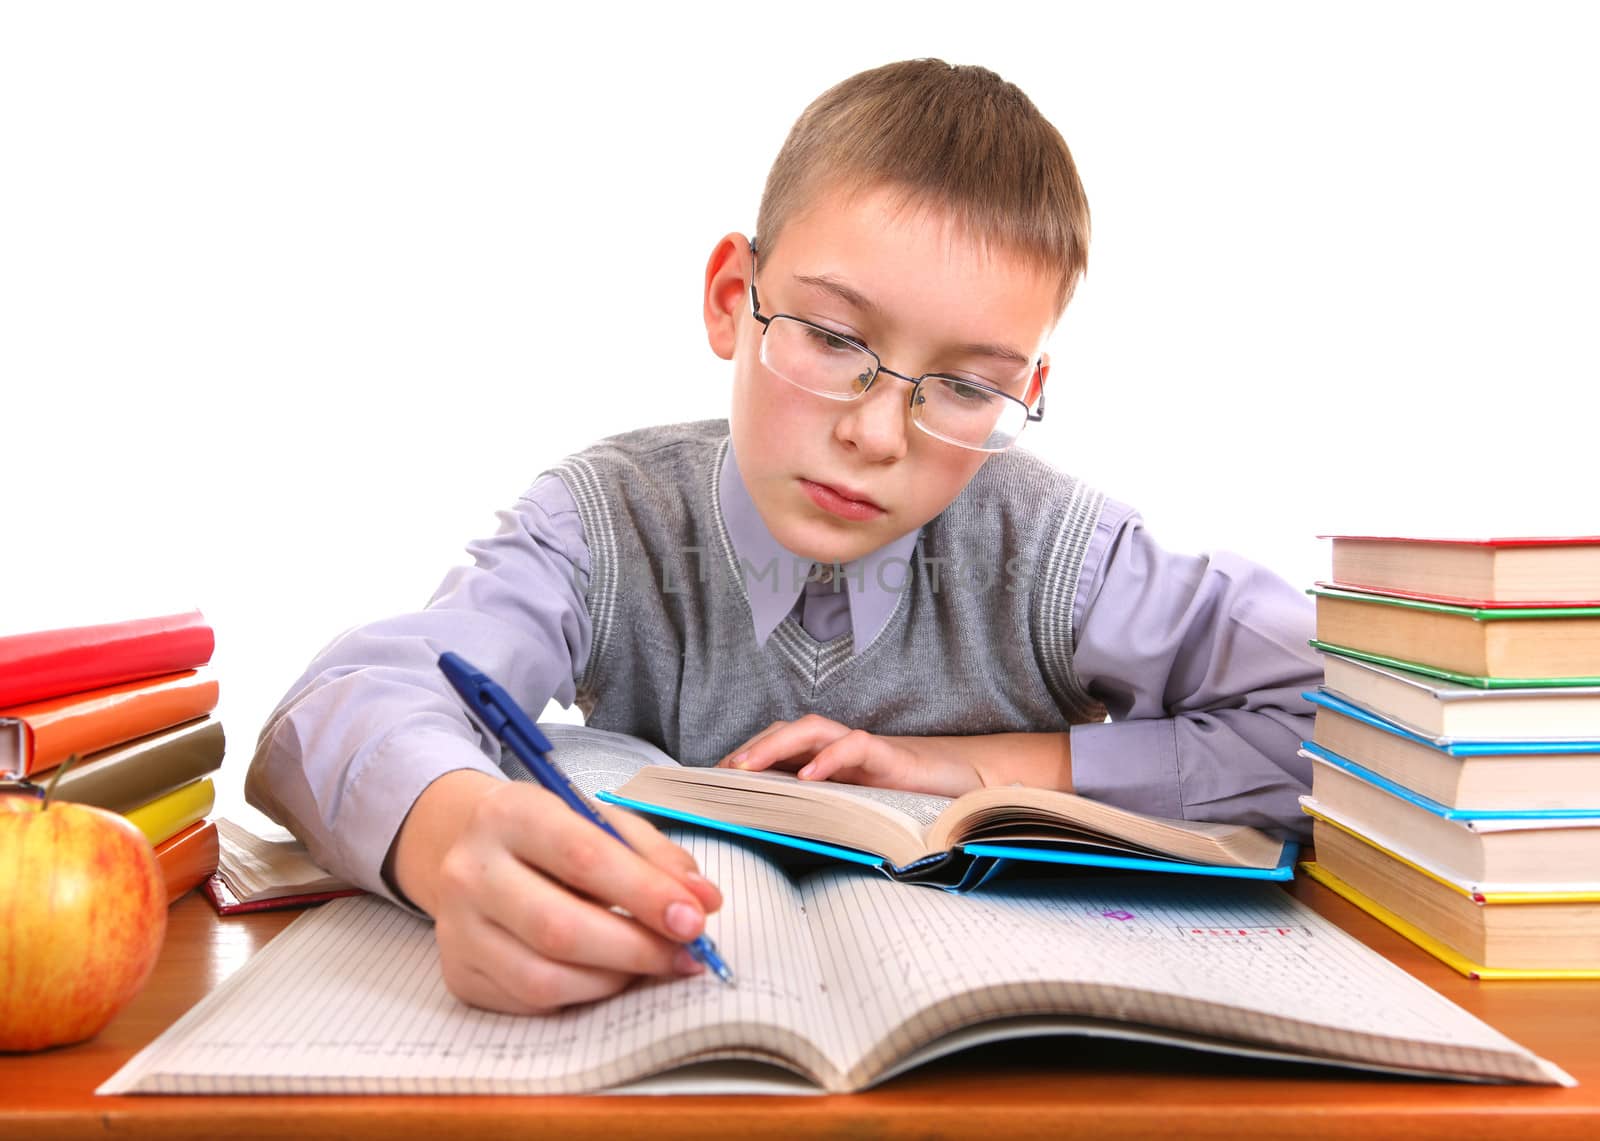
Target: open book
point(843, 980)
point(911, 836)
point(260, 873)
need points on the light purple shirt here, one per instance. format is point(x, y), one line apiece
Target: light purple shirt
point(1199, 660)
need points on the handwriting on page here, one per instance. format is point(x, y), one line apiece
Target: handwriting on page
point(1224, 960)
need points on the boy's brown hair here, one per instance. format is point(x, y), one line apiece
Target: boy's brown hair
point(958, 138)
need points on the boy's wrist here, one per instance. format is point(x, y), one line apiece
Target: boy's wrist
point(1035, 760)
point(995, 760)
point(950, 766)
point(437, 818)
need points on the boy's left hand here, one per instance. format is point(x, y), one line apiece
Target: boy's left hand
point(821, 749)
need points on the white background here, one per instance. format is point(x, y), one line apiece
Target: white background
point(293, 297)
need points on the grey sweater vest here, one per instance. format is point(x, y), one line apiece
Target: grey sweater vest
point(980, 640)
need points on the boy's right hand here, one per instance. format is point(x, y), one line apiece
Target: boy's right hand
point(521, 889)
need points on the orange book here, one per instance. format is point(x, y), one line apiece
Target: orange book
point(42, 734)
point(189, 858)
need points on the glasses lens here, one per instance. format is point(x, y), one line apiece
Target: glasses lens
point(971, 415)
point(816, 360)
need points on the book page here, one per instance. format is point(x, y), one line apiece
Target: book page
point(350, 999)
point(1244, 962)
point(13, 751)
point(922, 807)
point(778, 801)
point(998, 814)
point(258, 868)
point(594, 760)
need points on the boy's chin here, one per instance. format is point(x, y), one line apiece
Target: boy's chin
point(826, 542)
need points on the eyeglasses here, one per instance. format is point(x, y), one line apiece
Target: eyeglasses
point(958, 410)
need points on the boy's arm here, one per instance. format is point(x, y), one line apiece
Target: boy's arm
point(1200, 661)
point(823, 749)
point(371, 760)
point(372, 721)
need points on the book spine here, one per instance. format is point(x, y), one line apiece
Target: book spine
point(1530, 817)
point(54, 729)
point(188, 858)
point(130, 775)
point(51, 663)
point(1440, 950)
point(166, 816)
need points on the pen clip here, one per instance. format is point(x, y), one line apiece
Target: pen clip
point(474, 688)
point(488, 710)
point(489, 703)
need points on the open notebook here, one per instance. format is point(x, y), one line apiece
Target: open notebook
point(844, 979)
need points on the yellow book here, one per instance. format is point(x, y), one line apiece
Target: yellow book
point(1448, 955)
point(1477, 892)
point(167, 815)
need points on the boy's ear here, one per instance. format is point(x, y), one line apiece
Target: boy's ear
point(727, 292)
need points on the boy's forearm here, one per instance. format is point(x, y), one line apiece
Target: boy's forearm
point(1036, 760)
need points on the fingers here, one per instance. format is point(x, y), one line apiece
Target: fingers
point(663, 853)
point(540, 909)
point(553, 922)
point(847, 754)
point(485, 966)
point(572, 851)
point(788, 744)
point(826, 750)
point(860, 757)
point(742, 752)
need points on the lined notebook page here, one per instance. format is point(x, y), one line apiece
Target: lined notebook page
point(349, 999)
point(1232, 961)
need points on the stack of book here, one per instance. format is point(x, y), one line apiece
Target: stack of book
point(1456, 776)
point(134, 703)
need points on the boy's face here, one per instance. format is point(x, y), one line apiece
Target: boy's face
point(922, 295)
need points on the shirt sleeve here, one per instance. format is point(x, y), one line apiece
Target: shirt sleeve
point(1200, 661)
point(372, 722)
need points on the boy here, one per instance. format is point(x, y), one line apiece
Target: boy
point(852, 575)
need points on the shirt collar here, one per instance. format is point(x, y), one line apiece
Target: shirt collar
point(774, 577)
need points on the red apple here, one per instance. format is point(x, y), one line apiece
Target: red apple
point(83, 911)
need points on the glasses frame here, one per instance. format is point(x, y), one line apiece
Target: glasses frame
point(1033, 415)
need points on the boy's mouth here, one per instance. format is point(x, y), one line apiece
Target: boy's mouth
point(841, 502)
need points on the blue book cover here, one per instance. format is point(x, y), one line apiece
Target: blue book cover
point(1451, 747)
point(1462, 815)
point(969, 866)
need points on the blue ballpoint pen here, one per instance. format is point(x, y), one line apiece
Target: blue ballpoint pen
point(503, 717)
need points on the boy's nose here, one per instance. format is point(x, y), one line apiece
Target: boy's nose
point(876, 423)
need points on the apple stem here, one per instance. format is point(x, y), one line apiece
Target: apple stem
point(61, 770)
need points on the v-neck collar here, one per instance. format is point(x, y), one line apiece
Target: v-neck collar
point(774, 577)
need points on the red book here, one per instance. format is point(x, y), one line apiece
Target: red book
point(51, 663)
point(226, 903)
point(1556, 571)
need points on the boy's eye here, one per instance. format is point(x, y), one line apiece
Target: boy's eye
point(965, 392)
point(832, 342)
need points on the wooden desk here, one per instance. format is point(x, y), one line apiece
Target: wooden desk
point(1061, 1087)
